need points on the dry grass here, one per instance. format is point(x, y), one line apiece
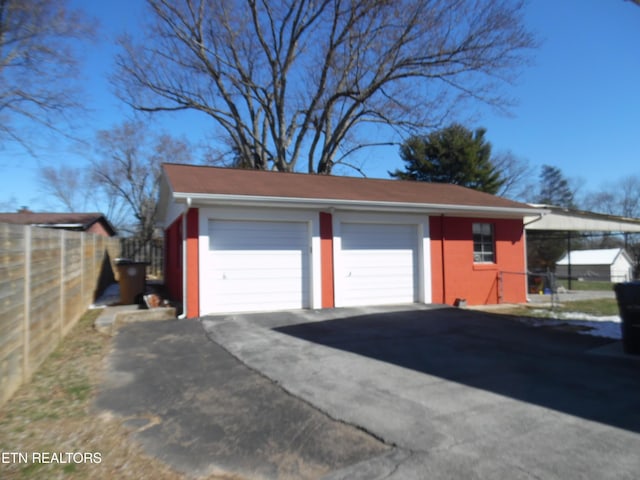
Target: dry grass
point(53, 413)
point(598, 307)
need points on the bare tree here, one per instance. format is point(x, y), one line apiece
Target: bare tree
point(618, 198)
point(38, 68)
point(518, 176)
point(128, 168)
point(296, 80)
point(66, 185)
point(9, 205)
point(74, 189)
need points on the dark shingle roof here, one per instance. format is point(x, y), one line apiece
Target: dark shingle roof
point(204, 180)
point(55, 219)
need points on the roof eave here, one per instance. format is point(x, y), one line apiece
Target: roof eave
point(329, 203)
point(59, 225)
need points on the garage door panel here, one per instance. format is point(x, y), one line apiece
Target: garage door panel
point(258, 236)
point(371, 276)
point(375, 258)
point(256, 266)
point(255, 295)
point(398, 284)
point(377, 236)
point(276, 261)
point(378, 264)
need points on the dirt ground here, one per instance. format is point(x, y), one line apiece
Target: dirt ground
point(52, 417)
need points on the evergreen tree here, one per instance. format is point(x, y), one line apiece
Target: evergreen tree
point(554, 188)
point(455, 155)
point(545, 248)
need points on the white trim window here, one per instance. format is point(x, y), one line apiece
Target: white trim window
point(483, 243)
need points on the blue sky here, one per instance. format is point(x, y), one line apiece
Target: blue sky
point(578, 104)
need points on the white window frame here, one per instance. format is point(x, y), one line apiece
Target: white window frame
point(484, 249)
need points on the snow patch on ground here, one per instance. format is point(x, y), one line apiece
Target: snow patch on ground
point(598, 326)
point(110, 296)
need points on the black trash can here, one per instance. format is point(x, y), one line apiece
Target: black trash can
point(628, 296)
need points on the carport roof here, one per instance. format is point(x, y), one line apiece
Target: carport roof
point(202, 183)
point(570, 219)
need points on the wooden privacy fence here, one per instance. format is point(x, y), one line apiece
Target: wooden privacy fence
point(48, 278)
point(151, 253)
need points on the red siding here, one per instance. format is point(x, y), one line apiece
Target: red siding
point(174, 263)
point(193, 287)
point(173, 260)
point(454, 275)
point(99, 229)
point(326, 259)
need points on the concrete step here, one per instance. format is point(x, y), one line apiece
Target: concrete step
point(112, 317)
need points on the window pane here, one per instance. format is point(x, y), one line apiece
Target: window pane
point(483, 243)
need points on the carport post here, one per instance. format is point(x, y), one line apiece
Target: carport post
point(569, 258)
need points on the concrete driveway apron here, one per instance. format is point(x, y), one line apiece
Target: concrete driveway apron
point(457, 393)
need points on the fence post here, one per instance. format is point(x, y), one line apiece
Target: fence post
point(82, 279)
point(62, 278)
point(27, 302)
point(94, 270)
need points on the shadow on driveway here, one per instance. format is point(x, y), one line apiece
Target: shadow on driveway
point(485, 351)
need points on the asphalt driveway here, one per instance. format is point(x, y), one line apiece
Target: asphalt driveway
point(456, 393)
point(201, 411)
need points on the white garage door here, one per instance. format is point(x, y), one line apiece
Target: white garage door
point(256, 266)
point(378, 264)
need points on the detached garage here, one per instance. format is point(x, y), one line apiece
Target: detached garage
point(247, 240)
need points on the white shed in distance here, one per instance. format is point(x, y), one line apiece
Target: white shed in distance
point(609, 264)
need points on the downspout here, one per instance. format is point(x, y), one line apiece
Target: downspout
point(444, 277)
point(538, 218)
point(183, 315)
point(526, 261)
point(526, 253)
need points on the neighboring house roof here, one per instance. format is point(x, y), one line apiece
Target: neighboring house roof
point(203, 183)
point(69, 221)
point(604, 256)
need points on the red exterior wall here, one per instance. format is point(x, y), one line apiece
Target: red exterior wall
point(453, 273)
point(173, 259)
point(192, 306)
point(326, 259)
point(99, 229)
point(174, 262)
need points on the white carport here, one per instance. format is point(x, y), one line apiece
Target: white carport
point(561, 219)
point(568, 220)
